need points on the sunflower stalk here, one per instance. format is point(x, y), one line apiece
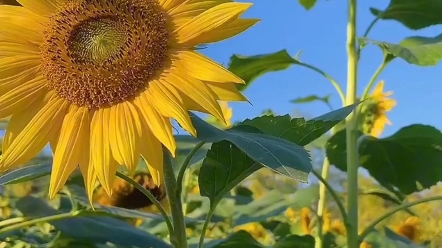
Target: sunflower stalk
point(351, 129)
point(178, 237)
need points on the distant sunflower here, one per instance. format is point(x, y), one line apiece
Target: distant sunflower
point(410, 228)
point(127, 196)
point(100, 80)
point(375, 111)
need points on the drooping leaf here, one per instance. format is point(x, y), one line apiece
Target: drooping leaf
point(185, 144)
point(411, 13)
point(312, 98)
point(26, 173)
point(410, 156)
point(307, 4)
point(417, 50)
point(96, 229)
point(387, 238)
point(250, 68)
point(239, 239)
point(291, 241)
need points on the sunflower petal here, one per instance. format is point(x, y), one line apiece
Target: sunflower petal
point(125, 128)
point(160, 125)
point(152, 153)
point(169, 4)
point(10, 67)
point(21, 97)
point(86, 166)
point(209, 20)
point(183, 13)
point(35, 135)
point(167, 102)
point(226, 92)
point(196, 90)
point(226, 31)
point(198, 66)
point(41, 7)
point(23, 17)
point(103, 162)
point(69, 152)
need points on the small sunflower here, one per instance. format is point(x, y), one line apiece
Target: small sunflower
point(306, 220)
point(410, 228)
point(374, 111)
point(100, 80)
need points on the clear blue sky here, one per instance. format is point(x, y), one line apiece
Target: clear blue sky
point(321, 34)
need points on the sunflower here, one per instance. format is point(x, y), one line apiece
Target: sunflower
point(101, 80)
point(410, 228)
point(374, 111)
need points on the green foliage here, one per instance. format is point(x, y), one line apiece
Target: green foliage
point(26, 173)
point(410, 156)
point(308, 4)
point(413, 14)
point(313, 98)
point(305, 241)
point(250, 68)
point(388, 238)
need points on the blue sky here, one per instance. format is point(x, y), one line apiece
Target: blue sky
point(321, 34)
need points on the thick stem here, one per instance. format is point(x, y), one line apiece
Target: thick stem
point(351, 131)
point(178, 238)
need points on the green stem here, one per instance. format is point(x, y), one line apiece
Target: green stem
point(178, 238)
point(370, 27)
point(185, 165)
point(150, 197)
point(393, 211)
point(351, 131)
point(332, 80)
point(206, 224)
point(375, 76)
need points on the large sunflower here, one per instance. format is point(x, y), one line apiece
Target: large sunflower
point(100, 80)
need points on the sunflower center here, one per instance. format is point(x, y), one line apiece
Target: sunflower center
point(98, 53)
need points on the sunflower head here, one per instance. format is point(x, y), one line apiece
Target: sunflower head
point(410, 228)
point(338, 227)
point(373, 115)
point(306, 220)
point(101, 81)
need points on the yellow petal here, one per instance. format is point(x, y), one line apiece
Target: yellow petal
point(103, 162)
point(226, 31)
point(226, 92)
point(86, 166)
point(169, 4)
point(183, 13)
point(11, 48)
point(41, 7)
point(152, 152)
point(10, 67)
point(167, 102)
point(125, 133)
point(18, 32)
point(379, 88)
point(23, 17)
point(20, 120)
point(198, 66)
point(160, 125)
point(69, 152)
point(21, 97)
point(209, 20)
point(196, 90)
point(35, 135)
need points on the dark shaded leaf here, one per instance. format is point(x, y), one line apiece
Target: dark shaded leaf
point(291, 241)
point(96, 229)
point(409, 157)
point(251, 67)
point(312, 98)
point(26, 173)
point(417, 50)
point(411, 13)
point(239, 239)
point(387, 238)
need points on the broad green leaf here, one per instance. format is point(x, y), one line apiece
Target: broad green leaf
point(291, 241)
point(307, 4)
point(387, 238)
point(414, 14)
point(250, 68)
point(26, 173)
point(417, 50)
point(96, 229)
point(298, 130)
point(410, 157)
point(312, 98)
point(239, 239)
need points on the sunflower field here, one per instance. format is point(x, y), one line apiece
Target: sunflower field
point(117, 130)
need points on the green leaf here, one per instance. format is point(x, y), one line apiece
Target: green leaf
point(298, 130)
point(250, 68)
point(386, 195)
point(239, 239)
point(417, 50)
point(312, 98)
point(26, 173)
point(185, 144)
point(95, 229)
point(291, 241)
point(404, 160)
point(411, 13)
point(387, 238)
point(307, 4)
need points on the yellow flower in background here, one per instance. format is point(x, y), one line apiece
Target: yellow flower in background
point(256, 230)
point(365, 245)
point(227, 113)
point(306, 220)
point(127, 196)
point(410, 229)
point(375, 111)
point(100, 80)
point(291, 213)
point(338, 227)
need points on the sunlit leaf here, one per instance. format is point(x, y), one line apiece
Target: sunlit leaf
point(250, 68)
point(409, 157)
point(307, 4)
point(414, 14)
